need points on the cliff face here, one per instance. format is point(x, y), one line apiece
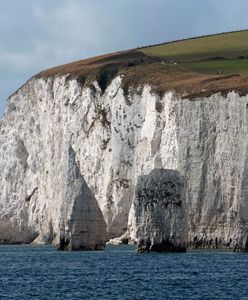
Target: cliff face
point(65, 147)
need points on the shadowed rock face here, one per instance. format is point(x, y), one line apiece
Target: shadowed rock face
point(160, 212)
point(82, 226)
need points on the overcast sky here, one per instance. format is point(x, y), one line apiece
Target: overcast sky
point(36, 35)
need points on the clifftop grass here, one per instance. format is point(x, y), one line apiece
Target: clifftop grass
point(189, 67)
point(227, 51)
point(226, 45)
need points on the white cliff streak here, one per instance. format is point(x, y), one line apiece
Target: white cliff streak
point(114, 139)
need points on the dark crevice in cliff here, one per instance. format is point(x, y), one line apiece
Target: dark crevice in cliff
point(28, 198)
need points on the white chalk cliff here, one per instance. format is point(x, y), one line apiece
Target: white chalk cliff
point(71, 155)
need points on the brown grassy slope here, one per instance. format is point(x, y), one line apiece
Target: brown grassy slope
point(139, 69)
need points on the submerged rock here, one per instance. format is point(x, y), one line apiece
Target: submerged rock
point(160, 214)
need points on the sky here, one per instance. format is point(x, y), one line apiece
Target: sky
point(35, 35)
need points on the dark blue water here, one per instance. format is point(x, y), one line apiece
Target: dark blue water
point(28, 272)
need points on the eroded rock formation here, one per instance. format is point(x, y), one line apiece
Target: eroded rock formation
point(160, 213)
point(82, 226)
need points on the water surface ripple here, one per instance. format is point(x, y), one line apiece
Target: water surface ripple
point(29, 272)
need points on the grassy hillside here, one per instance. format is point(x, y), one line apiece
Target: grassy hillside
point(193, 75)
point(228, 52)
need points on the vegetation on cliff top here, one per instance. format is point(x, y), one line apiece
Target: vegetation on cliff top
point(193, 67)
point(227, 52)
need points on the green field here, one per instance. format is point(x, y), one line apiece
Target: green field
point(229, 66)
point(228, 51)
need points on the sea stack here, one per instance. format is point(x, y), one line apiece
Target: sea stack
point(82, 226)
point(160, 212)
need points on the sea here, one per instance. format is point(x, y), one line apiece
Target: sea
point(118, 272)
